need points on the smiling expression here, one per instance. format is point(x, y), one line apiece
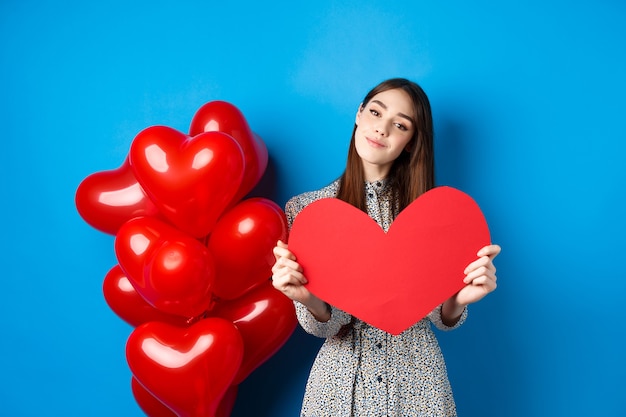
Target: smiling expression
point(385, 126)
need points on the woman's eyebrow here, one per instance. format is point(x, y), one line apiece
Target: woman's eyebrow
point(380, 103)
point(384, 106)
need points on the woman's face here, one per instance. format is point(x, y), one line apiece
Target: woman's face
point(385, 127)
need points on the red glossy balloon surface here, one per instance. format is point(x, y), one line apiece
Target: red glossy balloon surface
point(225, 117)
point(242, 243)
point(124, 300)
point(228, 402)
point(189, 370)
point(153, 407)
point(190, 179)
point(266, 320)
point(148, 403)
point(108, 199)
point(172, 271)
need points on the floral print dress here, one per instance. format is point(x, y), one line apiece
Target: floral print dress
point(363, 371)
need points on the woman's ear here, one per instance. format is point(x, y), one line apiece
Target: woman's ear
point(358, 114)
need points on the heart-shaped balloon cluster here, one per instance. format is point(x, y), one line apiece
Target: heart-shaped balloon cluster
point(194, 261)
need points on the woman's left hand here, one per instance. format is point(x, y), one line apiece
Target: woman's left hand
point(480, 276)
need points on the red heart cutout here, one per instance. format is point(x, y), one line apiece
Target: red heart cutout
point(189, 370)
point(191, 180)
point(224, 117)
point(171, 270)
point(265, 318)
point(108, 199)
point(131, 307)
point(242, 242)
point(389, 280)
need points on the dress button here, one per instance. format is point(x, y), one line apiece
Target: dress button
point(379, 345)
point(370, 195)
point(379, 378)
point(378, 184)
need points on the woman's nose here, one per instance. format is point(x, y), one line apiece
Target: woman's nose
point(381, 130)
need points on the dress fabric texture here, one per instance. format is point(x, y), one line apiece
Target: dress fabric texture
point(363, 371)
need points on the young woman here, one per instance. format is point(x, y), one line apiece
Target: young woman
point(361, 370)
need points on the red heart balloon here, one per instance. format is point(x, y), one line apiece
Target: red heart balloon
point(394, 279)
point(148, 403)
point(189, 370)
point(124, 300)
point(169, 269)
point(228, 402)
point(108, 199)
point(224, 117)
point(242, 243)
point(135, 241)
point(153, 407)
point(265, 318)
point(191, 180)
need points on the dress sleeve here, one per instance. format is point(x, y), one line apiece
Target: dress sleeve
point(435, 318)
point(330, 328)
point(292, 208)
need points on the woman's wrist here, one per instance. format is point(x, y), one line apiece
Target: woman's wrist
point(451, 311)
point(318, 308)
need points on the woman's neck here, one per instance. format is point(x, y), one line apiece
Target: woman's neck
point(373, 173)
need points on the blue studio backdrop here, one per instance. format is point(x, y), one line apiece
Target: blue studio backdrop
point(528, 102)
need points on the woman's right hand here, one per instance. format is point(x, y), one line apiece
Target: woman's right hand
point(287, 274)
point(287, 277)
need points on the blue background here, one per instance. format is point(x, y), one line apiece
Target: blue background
point(528, 102)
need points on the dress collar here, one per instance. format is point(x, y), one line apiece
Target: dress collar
point(378, 185)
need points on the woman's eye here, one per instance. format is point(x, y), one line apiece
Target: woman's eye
point(374, 112)
point(401, 127)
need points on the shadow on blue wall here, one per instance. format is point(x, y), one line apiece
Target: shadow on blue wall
point(263, 393)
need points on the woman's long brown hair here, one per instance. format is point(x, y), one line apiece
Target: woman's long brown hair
point(413, 172)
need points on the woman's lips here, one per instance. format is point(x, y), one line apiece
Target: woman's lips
point(375, 143)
